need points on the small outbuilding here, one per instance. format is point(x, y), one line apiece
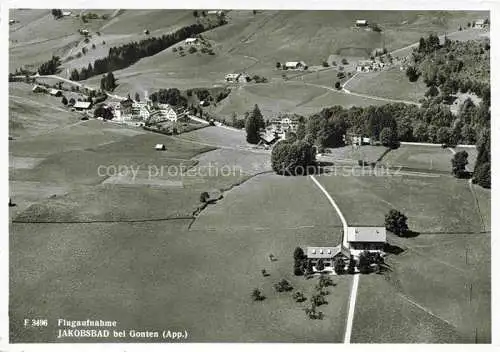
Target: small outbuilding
point(191, 41)
point(366, 238)
point(361, 23)
point(82, 105)
point(55, 92)
point(160, 147)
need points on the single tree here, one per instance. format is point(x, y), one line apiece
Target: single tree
point(204, 196)
point(482, 175)
point(396, 222)
point(64, 101)
point(137, 97)
point(458, 163)
point(338, 85)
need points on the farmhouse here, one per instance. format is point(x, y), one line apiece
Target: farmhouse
point(55, 92)
point(327, 254)
point(215, 12)
point(237, 77)
point(295, 65)
point(361, 23)
point(480, 24)
point(364, 66)
point(362, 238)
point(84, 32)
point(126, 106)
point(191, 41)
point(82, 105)
point(39, 89)
point(66, 13)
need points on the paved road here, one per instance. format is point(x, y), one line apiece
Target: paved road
point(355, 281)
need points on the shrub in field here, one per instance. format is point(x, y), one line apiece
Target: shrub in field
point(325, 64)
point(204, 196)
point(337, 85)
point(299, 297)
point(64, 101)
point(283, 286)
point(325, 281)
point(318, 300)
point(344, 61)
point(312, 313)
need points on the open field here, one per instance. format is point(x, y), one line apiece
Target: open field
point(92, 260)
point(392, 83)
point(433, 204)
point(31, 113)
point(271, 34)
point(424, 158)
point(294, 97)
point(350, 155)
point(429, 291)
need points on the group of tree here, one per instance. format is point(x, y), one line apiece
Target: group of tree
point(293, 158)
point(459, 163)
point(128, 54)
point(171, 96)
point(50, 67)
point(452, 66)
point(299, 261)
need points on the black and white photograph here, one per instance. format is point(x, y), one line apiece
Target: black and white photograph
point(279, 175)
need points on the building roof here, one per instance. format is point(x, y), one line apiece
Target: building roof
point(326, 252)
point(481, 21)
point(361, 21)
point(233, 75)
point(268, 137)
point(366, 234)
point(82, 105)
point(191, 40)
point(54, 91)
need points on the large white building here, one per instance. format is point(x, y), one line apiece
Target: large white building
point(366, 238)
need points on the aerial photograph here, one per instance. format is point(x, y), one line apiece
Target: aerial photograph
point(216, 175)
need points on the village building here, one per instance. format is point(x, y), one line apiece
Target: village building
point(82, 105)
point(66, 13)
point(364, 66)
point(191, 41)
point(327, 254)
point(12, 21)
point(361, 238)
point(295, 65)
point(160, 147)
point(55, 92)
point(361, 23)
point(126, 106)
point(38, 89)
point(215, 12)
point(480, 24)
point(237, 78)
point(84, 32)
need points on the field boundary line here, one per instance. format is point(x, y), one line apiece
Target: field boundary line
point(425, 309)
point(101, 221)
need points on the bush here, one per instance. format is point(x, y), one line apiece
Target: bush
point(283, 286)
point(338, 85)
point(299, 297)
point(192, 50)
point(257, 295)
point(325, 64)
point(344, 61)
point(204, 196)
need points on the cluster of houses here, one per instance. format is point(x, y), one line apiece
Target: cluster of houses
point(357, 239)
point(370, 65)
point(279, 129)
point(131, 110)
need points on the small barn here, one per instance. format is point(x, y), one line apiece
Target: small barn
point(361, 23)
point(160, 147)
point(55, 92)
point(191, 41)
point(82, 105)
point(295, 65)
point(39, 89)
